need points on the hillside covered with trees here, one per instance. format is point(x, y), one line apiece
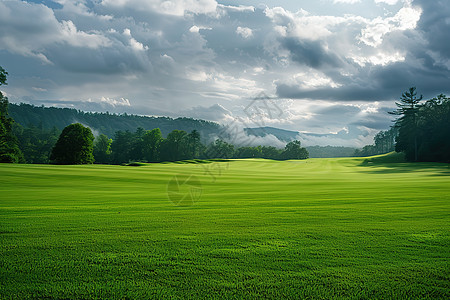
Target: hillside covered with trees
point(105, 123)
point(151, 146)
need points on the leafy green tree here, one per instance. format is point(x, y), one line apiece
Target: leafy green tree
point(270, 152)
point(137, 147)
point(102, 149)
point(3, 75)
point(121, 146)
point(434, 130)
point(293, 150)
point(74, 146)
point(151, 142)
point(36, 143)
point(219, 149)
point(194, 144)
point(408, 108)
point(248, 152)
point(9, 149)
point(174, 147)
point(367, 150)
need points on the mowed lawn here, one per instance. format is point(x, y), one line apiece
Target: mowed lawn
point(317, 228)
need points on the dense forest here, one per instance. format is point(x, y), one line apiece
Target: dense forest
point(421, 131)
point(105, 123)
point(423, 128)
point(151, 146)
point(142, 145)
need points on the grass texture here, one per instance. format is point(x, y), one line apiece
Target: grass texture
point(357, 228)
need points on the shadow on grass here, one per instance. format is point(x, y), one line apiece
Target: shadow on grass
point(395, 163)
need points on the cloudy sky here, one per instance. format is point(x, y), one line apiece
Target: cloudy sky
point(323, 66)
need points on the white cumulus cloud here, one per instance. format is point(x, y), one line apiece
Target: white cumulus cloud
point(167, 7)
point(244, 32)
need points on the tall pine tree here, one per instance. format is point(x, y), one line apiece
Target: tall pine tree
point(408, 108)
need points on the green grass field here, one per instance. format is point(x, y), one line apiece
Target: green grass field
point(319, 228)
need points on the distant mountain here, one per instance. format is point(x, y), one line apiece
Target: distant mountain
point(314, 151)
point(106, 123)
point(281, 134)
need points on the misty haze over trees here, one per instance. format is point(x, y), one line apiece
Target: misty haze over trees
point(150, 146)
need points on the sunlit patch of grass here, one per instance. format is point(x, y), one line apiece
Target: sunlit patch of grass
point(392, 157)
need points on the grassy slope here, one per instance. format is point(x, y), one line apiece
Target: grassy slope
point(319, 228)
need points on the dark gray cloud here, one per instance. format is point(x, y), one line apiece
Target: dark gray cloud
point(107, 61)
point(358, 115)
point(343, 111)
point(351, 92)
point(435, 25)
point(310, 53)
point(378, 121)
point(425, 63)
point(379, 83)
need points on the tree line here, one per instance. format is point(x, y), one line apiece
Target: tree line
point(150, 146)
point(421, 130)
point(423, 127)
point(77, 145)
point(384, 142)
